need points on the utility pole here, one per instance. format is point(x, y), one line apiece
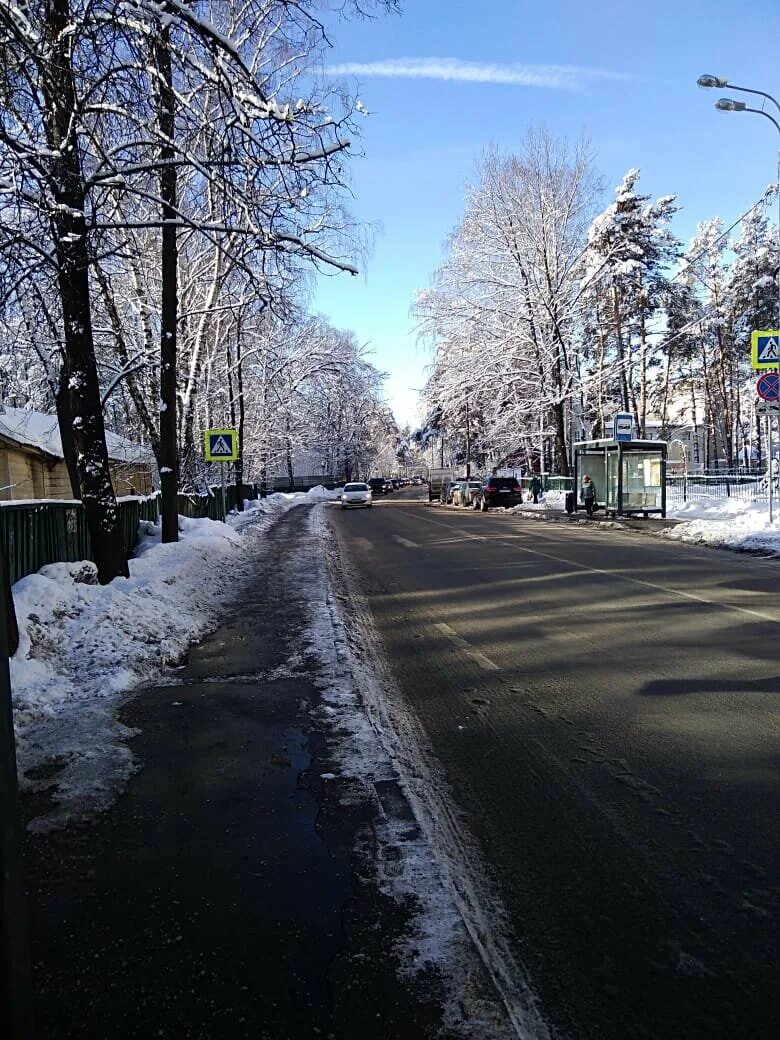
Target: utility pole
point(15, 979)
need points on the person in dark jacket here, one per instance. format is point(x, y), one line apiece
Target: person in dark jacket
point(536, 487)
point(588, 495)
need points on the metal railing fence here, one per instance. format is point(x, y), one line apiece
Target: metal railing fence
point(701, 487)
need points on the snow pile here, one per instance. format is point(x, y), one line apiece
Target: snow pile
point(279, 502)
point(83, 646)
point(728, 523)
point(547, 500)
point(725, 523)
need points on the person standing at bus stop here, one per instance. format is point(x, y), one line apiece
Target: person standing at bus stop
point(588, 495)
point(536, 487)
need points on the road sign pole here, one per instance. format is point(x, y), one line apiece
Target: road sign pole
point(770, 469)
point(222, 474)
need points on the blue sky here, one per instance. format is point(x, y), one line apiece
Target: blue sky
point(635, 97)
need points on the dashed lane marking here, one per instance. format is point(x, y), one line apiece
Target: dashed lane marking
point(463, 644)
point(692, 596)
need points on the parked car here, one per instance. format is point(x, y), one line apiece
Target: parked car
point(356, 494)
point(377, 485)
point(447, 488)
point(498, 491)
point(465, 492)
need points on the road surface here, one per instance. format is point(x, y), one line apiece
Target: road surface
point(604, 705)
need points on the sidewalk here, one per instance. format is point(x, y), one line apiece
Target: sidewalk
point(231, 890)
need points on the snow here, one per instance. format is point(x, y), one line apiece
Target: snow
point(82, 647)
point(726, 523)
point(40, 430)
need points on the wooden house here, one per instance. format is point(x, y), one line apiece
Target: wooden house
point(32, 466)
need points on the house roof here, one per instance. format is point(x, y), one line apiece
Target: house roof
point(41, 430)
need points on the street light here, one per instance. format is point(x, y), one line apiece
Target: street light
point(729, 105)
point(708, 80)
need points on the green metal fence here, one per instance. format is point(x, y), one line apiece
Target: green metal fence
point(35, 534)
point(550, 482)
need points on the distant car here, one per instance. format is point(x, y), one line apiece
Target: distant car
point(498, 491)
point(377, 485)
point(465, 492)
point(356, 495)
point(389, 487)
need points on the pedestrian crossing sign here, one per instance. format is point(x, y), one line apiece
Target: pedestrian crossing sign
point(765, 349)
point(220, 445)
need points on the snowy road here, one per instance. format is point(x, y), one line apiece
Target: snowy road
point(604, 706)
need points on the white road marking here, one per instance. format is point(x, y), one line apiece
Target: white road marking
point(405, 542)
point(615, 574)
point(476, 655)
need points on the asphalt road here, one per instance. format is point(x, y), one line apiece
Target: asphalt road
point(604, 705)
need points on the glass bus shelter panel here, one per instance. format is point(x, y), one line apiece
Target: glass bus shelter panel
point(642, 487)
point(613, 462)
point(596, 467)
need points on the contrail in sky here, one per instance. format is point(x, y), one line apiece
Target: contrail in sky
point(554, 77)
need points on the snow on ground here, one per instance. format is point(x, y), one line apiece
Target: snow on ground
point(438, 869)
point(726, 523)
point(83, 646)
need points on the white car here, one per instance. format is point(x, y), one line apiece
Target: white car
point(356, 495)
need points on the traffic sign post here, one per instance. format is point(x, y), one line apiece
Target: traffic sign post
point(221, 446)
point(765, 353)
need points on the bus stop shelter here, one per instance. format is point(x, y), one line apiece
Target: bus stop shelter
point(629, 476)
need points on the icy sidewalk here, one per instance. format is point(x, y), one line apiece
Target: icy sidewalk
point(84, 647)
point(263, 872)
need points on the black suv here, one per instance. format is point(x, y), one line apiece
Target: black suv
point(377, 485)
point(499, 491)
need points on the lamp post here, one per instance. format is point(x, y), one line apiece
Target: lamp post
point(709, 81)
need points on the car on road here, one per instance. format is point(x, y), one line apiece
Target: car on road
point(498, 491)
point(355, 495)
point(465, 492)
point(377, 485)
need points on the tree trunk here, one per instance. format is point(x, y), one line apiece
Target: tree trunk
point(169, 476)
point(81, 397)
point(136, 392)
point(65, 420)
point(620, 349)
point(241, 412)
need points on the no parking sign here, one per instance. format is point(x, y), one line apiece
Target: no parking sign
point(768, 386)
